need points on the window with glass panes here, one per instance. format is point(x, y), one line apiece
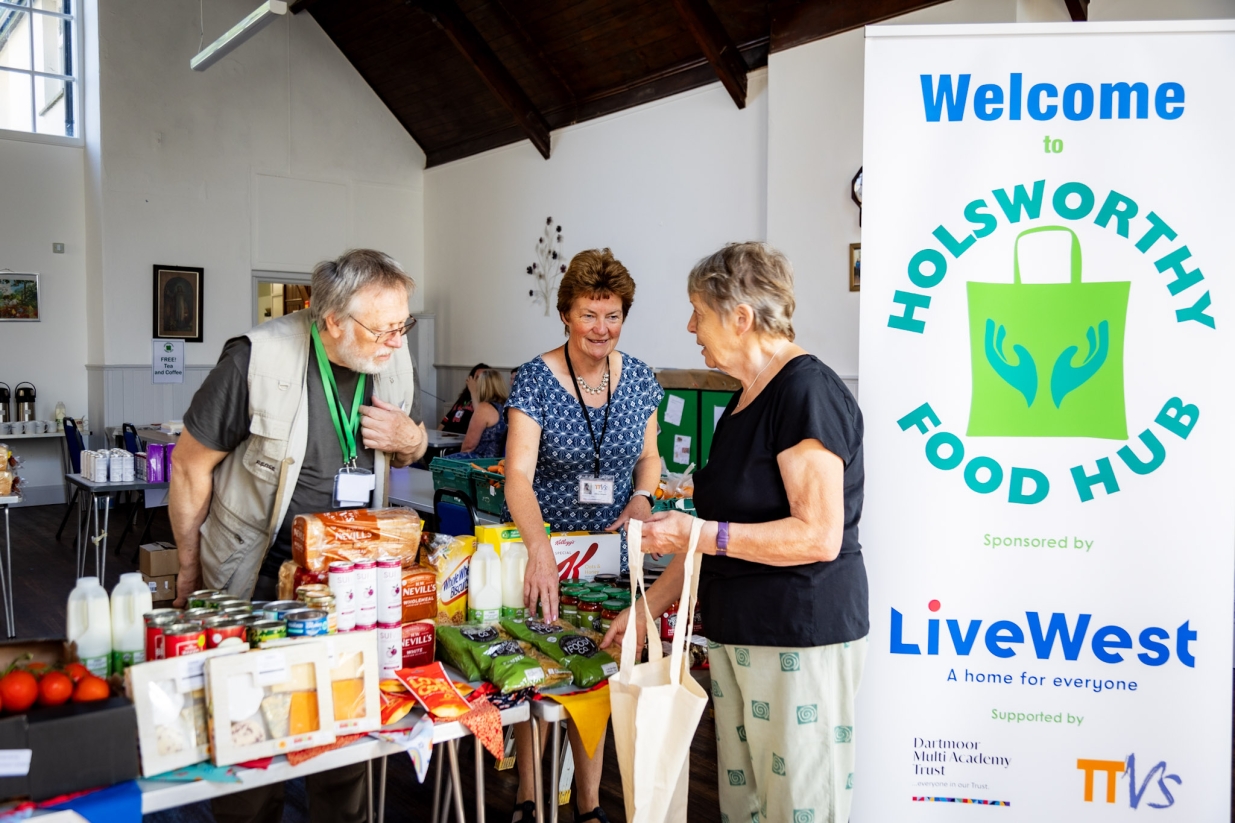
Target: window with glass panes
point(39, 88)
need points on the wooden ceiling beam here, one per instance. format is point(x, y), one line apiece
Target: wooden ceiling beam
point(705, 26)
point(1079, 9)
point(795, 22)
point(454, 23)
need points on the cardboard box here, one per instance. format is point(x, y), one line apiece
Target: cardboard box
point(583, 555)
point(170, 699)
point(269, 701)
point(162, 589)
point(159, 560)
point(500, 535)
point(72, 747)
point(355, 672)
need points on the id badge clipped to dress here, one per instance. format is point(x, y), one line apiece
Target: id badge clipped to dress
point(353, 487)
point(597, 490)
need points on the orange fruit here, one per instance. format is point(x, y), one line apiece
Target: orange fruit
point(90, 689)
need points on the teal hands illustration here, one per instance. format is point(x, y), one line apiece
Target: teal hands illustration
point(1023, 376)
point(1065, 377)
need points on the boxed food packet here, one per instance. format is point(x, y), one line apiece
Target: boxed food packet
point(485, 653)
point(354, 675)
point(583, 555)
point(450, 558)
point(574, 648)
point(354, 534)
point(170, 698)
point(269, 701)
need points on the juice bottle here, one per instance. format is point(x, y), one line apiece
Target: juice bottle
point(130, 601)
point(484, 586)
point(89, 624)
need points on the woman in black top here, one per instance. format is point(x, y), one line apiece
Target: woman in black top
point(459, 416)
point(783, 587)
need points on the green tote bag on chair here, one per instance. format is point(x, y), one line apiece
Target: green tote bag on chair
point(1047, 358)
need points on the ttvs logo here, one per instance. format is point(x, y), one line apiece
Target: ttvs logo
point(1157, 778)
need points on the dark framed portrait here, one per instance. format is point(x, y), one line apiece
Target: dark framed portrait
point(855, 267)
point(178, 303)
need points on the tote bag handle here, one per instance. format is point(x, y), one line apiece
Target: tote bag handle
point(1076, 252)
point(690, 590)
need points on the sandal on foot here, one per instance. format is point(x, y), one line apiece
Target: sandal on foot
point(597, 814)
point(526, 811)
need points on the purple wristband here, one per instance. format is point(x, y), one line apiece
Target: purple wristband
point(722, 539)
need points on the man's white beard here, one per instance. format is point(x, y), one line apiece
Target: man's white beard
point(349, 351)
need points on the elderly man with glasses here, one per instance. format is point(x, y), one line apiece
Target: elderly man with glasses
point(303, 414)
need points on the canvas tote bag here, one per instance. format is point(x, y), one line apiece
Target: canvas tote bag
point(657, 705)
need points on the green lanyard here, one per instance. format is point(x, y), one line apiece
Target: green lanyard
point(350, 424)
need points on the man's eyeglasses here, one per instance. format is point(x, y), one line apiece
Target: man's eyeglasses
point(385, 336)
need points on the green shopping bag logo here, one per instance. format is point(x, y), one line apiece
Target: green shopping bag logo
point(1047, 358)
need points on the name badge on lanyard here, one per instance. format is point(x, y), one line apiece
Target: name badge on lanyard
point(595, 489)
point(353, 486)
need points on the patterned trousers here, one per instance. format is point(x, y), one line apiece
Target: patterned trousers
point(784, 731)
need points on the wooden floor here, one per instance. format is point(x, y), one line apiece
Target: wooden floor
point(44, 572)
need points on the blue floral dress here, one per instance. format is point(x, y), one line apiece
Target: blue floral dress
point(492, 440)
point(566, 450)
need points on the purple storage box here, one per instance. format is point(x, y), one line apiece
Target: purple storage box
point(156, 462)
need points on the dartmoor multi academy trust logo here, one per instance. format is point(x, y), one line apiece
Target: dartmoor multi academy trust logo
point(1047, 360)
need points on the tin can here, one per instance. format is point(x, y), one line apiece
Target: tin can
point(325, 602)
point(218, 601)
point(199, 614)
point(309, 589)
point(306, 623)
point(258, 605)
point(222, 629)
point(366, 593)
point(237, 609)
point(390, 648)
point(198, 598)
point(181, 639)
point(157, 622)
point(259, 631)
point(276, 609)
point(342, 576)
point(389, 590)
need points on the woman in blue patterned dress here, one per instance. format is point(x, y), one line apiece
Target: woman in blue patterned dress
point(581, 456)
point(486, 431)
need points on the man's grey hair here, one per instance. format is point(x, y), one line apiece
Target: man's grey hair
point(336, 282)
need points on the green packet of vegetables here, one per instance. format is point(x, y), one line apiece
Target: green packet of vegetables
point(588, 665)
point(483, 653)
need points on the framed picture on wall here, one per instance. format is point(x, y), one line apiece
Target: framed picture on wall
point(855, 267)
point(19, 296)
point(178, 303)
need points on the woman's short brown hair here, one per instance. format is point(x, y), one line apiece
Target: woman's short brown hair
point(595, 274)
point(752, 273)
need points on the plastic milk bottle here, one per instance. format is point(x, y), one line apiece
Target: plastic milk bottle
point(89, 619)
point(130, 600)
point(484, 586)
point(514, 564)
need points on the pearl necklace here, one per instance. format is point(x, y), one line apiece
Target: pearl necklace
point(604, 383)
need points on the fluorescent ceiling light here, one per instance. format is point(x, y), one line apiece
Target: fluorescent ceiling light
point(239, 33)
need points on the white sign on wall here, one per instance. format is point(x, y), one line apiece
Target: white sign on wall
point(1046, 351)
point(167, 361)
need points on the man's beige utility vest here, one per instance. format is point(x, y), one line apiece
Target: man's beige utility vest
point(253, 485)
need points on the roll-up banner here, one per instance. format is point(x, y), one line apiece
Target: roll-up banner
point(1047, 378)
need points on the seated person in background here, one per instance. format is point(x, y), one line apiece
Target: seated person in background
point(486, 433)
point(460, 414)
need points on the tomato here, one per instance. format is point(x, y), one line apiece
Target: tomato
point(18, 690)
point(76, 671)
point(55, 688)
point(36, 669)
point(89, 689)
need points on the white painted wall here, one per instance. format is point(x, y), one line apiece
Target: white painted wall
point(42, 202)
point(196, 166)
point(662, 185)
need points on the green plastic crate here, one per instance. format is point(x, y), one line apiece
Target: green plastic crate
point(681, 504)
point(455, 475)
point(488, 488)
